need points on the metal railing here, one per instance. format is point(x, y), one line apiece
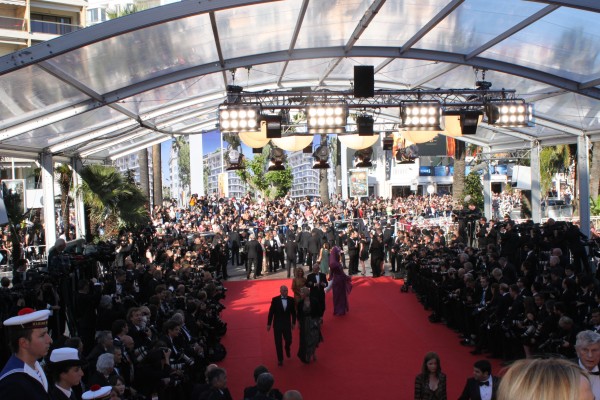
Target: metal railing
point(53, 28)
point(15, 24)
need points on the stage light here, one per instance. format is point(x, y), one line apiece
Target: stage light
point(357, 142)
point(364, 157)
point(327, 118)
point(273, 125)
point(321, 156)
point(509, 113)
point(469, 120)
point(276, 159)
point(421, 116)
point(234, 160)
point(364, 125)
point(238, 117)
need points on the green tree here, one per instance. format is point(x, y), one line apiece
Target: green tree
point(129, 9)
point(552, 160)
point(474, 188)
point(280, 183)
point(112, 200)
point(254, 174)
point(64, 173)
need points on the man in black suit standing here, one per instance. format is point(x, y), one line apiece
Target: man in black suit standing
point(316, 281)
point(483, 385)
point(314, 247)
point(303, 245)
point(353, 247)
point(282, 315)
point(236, 241)
point(252, 250)
point(291, 248)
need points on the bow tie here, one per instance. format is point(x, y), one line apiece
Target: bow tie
point(283, 298)
point(597, 373)
point(484, 383)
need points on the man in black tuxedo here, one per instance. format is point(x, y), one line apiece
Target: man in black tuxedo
point(314, 247)
point(353, 247)
point(316, 281)
point(483, 385)
point(282, 315)
point(236, 242)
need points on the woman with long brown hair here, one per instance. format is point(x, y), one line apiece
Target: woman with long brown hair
point(430, 384)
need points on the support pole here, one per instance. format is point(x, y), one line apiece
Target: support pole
point(344, 163)
point(583, 173)
point(47, 164)
point(536, 198)
point(78, 199)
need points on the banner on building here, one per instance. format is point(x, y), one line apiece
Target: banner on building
point(223, 185)
point(359, 183)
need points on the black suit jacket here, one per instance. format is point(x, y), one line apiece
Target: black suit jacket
point(317, 292)
point(280, 318)
point(57, 394)
point(471, 390)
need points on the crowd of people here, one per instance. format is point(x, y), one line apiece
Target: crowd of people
point(145, 317)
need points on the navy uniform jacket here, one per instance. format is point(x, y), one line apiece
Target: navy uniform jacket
point(16, 384)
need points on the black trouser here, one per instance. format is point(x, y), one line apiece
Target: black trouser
point(302, 253)
point(286, 335)
point(252, 266)
point(353, 264)
point(290, 263)
point(235, 256)
point(376, 265)
point(311, 259)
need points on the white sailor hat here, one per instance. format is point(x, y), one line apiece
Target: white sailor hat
point(28, 318)
point(97, 392)
point(65, 356)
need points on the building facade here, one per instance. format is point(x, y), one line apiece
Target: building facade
point(305, 178)
point(24, 23)
point(232, 186)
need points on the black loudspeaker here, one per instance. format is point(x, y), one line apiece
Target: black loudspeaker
point(364, 81)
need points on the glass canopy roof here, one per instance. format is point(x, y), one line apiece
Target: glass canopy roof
point(119, 86)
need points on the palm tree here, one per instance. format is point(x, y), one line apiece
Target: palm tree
point(157, 175)
point(65, 178)
point(112, 200)
point(552, 160)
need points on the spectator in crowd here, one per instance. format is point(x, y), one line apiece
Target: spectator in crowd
point(588, 355)
point(549, 379)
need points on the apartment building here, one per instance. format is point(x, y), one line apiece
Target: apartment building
point(24, 23)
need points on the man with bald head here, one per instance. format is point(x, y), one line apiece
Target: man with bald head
point(282, 315)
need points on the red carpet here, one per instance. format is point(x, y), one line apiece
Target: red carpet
point(374, 352)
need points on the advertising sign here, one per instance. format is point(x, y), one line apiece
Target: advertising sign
point(359, 184)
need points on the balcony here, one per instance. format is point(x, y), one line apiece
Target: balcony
point(52, 28)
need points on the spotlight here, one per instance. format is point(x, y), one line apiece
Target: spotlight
point(364, 125)
point(509, 113)
point(276, 159)
point(257, 150)
point(364, 157)
point(321, 155)
point(238, 117)
point(388, 143)
point(234, 160)
point(307, 149)
point(407, 155)
point(422, 116)
point(327, 118)
point(273, 126)
point(469, 120)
